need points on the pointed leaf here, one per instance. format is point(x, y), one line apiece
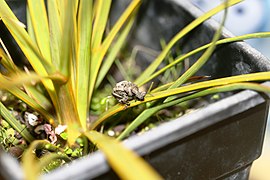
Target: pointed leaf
point(261, 76)
point(154, 65)
point(39, 21)
point(55, 31)
point(98, 54)
point(128, 165)
point(14, 123)
point(68, 38)
point(40, 65)
point(146, 114)
point(83, 59)
point(202, 60)
point(68, 111)
point(101, 18)
point(113, 52)
point(222, 41)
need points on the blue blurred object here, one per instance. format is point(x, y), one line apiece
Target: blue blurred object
point(246, 17)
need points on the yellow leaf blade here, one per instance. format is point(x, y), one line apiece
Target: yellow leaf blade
point(101, 17)
point(40, 25)
point(68, 112)
point(261, 76)
point(83, 59)
point(128, 165)
point(98, 54)
point(154, 65)
point(29, 48)
point(55, 31)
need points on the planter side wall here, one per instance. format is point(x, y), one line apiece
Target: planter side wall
point(220, 150)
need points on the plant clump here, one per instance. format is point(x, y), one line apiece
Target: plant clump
point(60, 106)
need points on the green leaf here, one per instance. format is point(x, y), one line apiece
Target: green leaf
point(38, 96)
point(30, 28)
point(83, 59)
point(31, 166)
point(128, 165)
point(39, 21)
point(68, 111)
point(7, 62)
point(68, 38)
point(55, 31)
point(261, 76)
point(202, 60)
point(32, 103)
point(149, 112)
point(154, 65)
point(101, 18)
point(51, 157)
point(29, 48)
point(14, 123)
point(222, 41)
point(31, 91)
point(24, 41)
point(98, 54)
point(114, 51)
point(19, 78)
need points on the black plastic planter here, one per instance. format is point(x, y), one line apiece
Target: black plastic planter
point(219, 141)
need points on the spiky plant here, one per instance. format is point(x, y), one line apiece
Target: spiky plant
point(70, 54)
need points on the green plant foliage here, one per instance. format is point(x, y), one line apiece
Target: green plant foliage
point(137, 168)
point(15, 123)
point(66, 53)
point(71, 50)
point(218, 89)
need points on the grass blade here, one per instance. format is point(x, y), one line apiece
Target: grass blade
point(98, 54)
point(68, 111)
point(7, 62)
point(32, 103)
point(219, 89)
point(51, 157)
point(83, 59)
point(154, 65)
point(101, 18)
point(14, 123)
point(30, 28)
point(31, 91)
point(40, 65)
point(261, 76)
point(29, 159)
point(19, 79)
point(40, 25)
point(203, 59)
point(128, 165)
point(67, 38)
point(219, 42)
point(55, 31)
point(113, 52)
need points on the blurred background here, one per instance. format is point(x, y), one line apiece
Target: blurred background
point(248, 17)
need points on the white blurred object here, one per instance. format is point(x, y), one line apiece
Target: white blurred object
point(31, 118)
point(246, 17)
